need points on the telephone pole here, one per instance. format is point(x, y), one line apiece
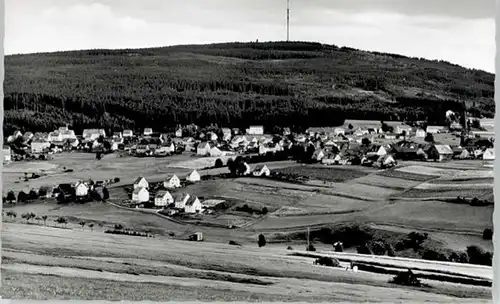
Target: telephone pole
point(308, 243)
point(287, 20)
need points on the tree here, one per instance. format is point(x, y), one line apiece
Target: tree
point(32, 195)
point(390, 250)
point(385, 127)
point(429, 138)
point(415, 239)
point(91, 226)
point(22, 197)
point(44, 218)
point(350, 126)
point(219, 163)
point(105, 193)
point(11, 196)
point(231, 165)
point(310, 248)
point(378, 248)
point(264, 210)
point(38, 219)
point(365, 141)
point(487, 234)
point(363, 249)
point(478, 256)
point(338, 246)
point(62, 221)
point(82, 223)
point(262, 240)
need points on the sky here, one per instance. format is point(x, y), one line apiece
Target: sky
point(458, 31)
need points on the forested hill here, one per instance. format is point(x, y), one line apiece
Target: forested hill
point(233, 84)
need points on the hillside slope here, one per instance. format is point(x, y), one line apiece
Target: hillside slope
point(235, 84)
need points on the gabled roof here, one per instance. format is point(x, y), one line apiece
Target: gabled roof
point(137, 180)
point(180, 196)
point(191, 200)
point(139, 189)
point(161, 193)
point(169, 177)
point(443, 149)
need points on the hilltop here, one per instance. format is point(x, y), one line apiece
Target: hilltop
point(234, 84)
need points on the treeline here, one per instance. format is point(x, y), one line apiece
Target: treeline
point(163, 87)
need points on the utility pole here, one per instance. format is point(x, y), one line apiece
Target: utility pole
point(287, 20)
point(308, 244)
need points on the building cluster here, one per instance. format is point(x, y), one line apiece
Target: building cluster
point(356, 140)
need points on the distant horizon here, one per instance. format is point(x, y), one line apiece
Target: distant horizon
point(254, 41)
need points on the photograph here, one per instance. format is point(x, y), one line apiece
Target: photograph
point(248, 150)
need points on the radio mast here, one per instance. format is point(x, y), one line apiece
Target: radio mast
point(287, 20)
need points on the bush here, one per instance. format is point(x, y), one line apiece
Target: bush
point(234, 243)
point(433, 255)
point(117, 180)
point(264, 211)
point(378, 248)
point(363, 249)
point(262, 240)
point(339, 247)
point(289, 248)
point(478, 256)
point(327, 261)
point(219, 163)
point(390, 250)
point(487, 234)
point(415, 240)
point(406, 279)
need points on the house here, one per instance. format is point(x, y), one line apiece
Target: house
point(193, 205)
point(142, 149)
point(318, 154)
point(286, 131)
point(455, 126)
point(163, 198)
point(194, 176)
point(382, 150)
point(141, 182)
point(214, 152)
point(261, 170)
point(435, 129)
point(255, 130)
point(140, 195)
point(212, 136)
point(65, 191)
point(7, 154)
point(489, 154)
point(203, 149)
point(17, 134)
point(386, 161)
point(27, 136)
point(45, 191)
point(81, 189)
point(197, 237)
point(331, 159)
point(67, 134)
point(465, 154)
point(147, 132)
point(55, 136)
point(117, 135)
point(39, 146)
point(172, 182)
point(402, 129)
point(93, 134)
point(420, 133)
point(440, 152)
point(339, 131)
point(165, 149)
point(127, 133)
point(178, 132)
point(269, 147)
point(226, 134)
point(180, 200)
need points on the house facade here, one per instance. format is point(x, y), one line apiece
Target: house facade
point(163, 198)
point(489, 154)
point(39, 146)
point(140, 195)
point(194, 176)
point(193, 205)
point(440, 152)
point(141, 182)
point(261, 170)
point(255, 130)
point(7, 154)
point(180, 200)
point(172, 182)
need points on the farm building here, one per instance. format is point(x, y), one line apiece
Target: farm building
point(403, 130)
point(67, 134)
point(464, 154)
point(172, 182)
point(178, 132)
point(420, 133)
point(140, 195)
point(197, 237)
point(489, 154)
point(147, 132)
point(45, 191)
point(7, 154)
point(318, 155)
point(194, 176)
point(180, 200)
point(55, 136)
point(66, 191)
point(141, 182)
point(193, 205)
point(261, 170)
point(435, 129)
point(255, 130)
point(440, 152)
point(206, 149)
point(386, 161)
point(127, 133)
point(163, 198)
point(81, 189)
point(93, 134)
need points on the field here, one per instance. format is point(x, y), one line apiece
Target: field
point(398, 201)
point(93, 265)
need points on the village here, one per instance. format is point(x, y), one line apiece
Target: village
point(357, 143)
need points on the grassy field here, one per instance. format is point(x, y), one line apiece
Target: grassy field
point(393, 200)
point(166, 269)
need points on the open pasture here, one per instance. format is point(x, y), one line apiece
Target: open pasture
point(409, 175)
point(441, 192)
point(329, 174)
point(114, 261)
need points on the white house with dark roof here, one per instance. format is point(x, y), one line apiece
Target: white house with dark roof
point(193, 205)
point(180, 200)
point(489, 154)
point(172, 182)
point(163, 198)
point(194, 176)
point(141, 182)
point(147, 131)
point(261, 170)
point(127, 133)
point(140, 195)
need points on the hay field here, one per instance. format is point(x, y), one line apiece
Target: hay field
point(90, 266)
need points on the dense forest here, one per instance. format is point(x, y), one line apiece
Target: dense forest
point(297, 84)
